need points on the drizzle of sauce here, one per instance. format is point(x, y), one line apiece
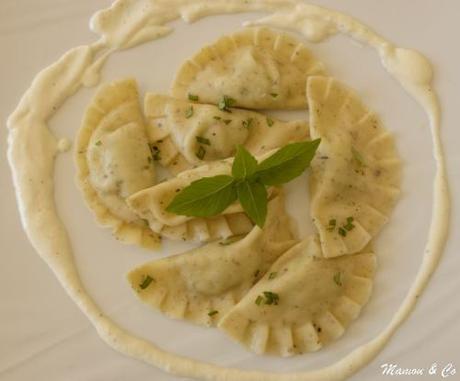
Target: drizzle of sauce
point(128, 23)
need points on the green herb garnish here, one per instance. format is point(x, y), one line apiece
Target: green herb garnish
point(248, 123)
point(217, 117)
point(189, 112)
point(225, 103)
point(342, 232)
point(338, 279)
point(98, 143)
point(287, 163)
point(271, 298)
point(332, 224)
point(272, 275)
point(270, 122)
point(202, 140)
point(146, 282)
point(274, 95)
point(244, 165)
point(205, 197)
point(213, 312)
point(193, 97)
point(349, 225)
point(252, 196)
point(248, 183)
point(227, 121)
point(200, 153)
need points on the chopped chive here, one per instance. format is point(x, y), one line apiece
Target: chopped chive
point(213, 312)
point(332, 224)
point(272, 275)
point(358, 157)
point(259, 300)
point(217, 117)
point(193, 97)
point(201, 153)
point(225, 103)
point(202, 140)
point(146, 282)
point(248, 123)
point(189, 112)
point(338, 279)
point(227, 121)
point(349, 225)
point(256, 274)
point(274, 95)
point(98, 143)
point(271, 298)
point(342, 232)
point(270, 122)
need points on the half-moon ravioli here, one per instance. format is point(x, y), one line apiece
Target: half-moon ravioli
point(183, 133)
point(258, 68)
point(114, 160)
point(303, 301)
point(150, 204)
point(203, 284)
point(355, 176)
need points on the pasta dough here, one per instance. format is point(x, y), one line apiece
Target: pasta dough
point(150, 204)
point(303, 301)
point(203, 284)
point(258, 67)
point(355, 175)
point(114, 160)
point(184, 133)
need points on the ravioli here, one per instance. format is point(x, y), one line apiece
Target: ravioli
point(355, 176)
point(184, 133)
point(257, 67)
point(150, 204)
point(303, 301)
point(203, 284)
point(114, 160)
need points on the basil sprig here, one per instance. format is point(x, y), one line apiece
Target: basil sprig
point(248, 183)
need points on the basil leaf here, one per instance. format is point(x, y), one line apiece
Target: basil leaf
point(205, 197)
point(253, 198)
point(244, 164)
point(287, 163)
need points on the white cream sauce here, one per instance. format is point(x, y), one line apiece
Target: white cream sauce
point(129, 23)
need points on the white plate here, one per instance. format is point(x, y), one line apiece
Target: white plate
point(42, 333)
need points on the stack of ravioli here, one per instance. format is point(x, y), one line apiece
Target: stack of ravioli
point(265, 288)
